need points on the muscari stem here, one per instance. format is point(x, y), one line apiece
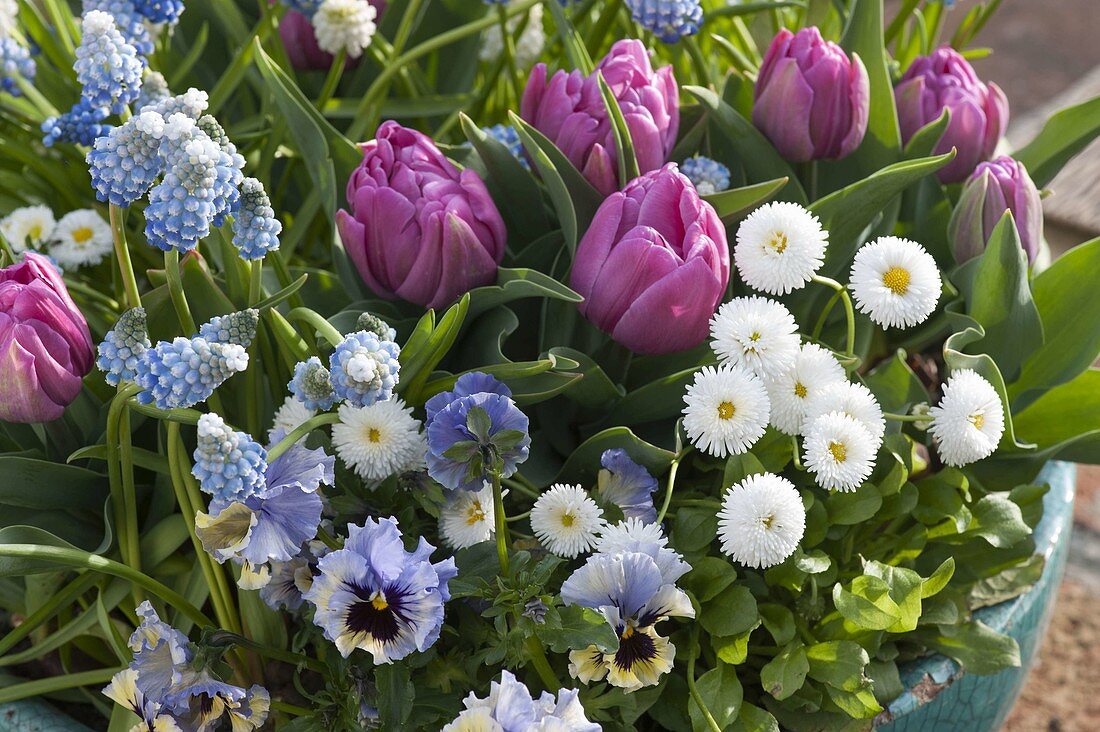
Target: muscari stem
point(122, 253)
point(175, 290)
point(299, 432)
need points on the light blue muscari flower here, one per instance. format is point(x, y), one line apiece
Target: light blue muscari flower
point(186, 371)
point(227, 172)
point(125, 162)
point(184, 205)
point(669, 20)
point(15, 63)
point(159, 11)
point(312, 385)
point(238, 327)
point(154, 90)
point(374, 595)
point(631, 582)
point(81, 125)
point(506, 135)
point(374, 324)
point(107, 67)
point(229, 465)
point(364, 369)
point(510, 707)
point(129, 23)
point(255, 228)
point(708, 176)
point(628, 485)
point(123, 347)
point(192, 103)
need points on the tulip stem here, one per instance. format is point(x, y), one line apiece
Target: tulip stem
point(698, 60)
point(175, 289)
point(122, 252)
point(509, 54)
point(500, 523)
point(849, 311)
point(335, 72)
point(809, 179)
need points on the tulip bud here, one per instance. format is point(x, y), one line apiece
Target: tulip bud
point(570, 111)
point(979, 112)
point(45, 345)
point(417, 228)
point(653, 265)
point(810, 99)
point(995, 187)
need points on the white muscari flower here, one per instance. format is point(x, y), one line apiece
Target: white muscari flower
point(726, 410)
point(840, 451)
point(780, 246)
point(853, 399)
point(566, 520)
point(81, 238)
point(378, 441)
point(290, 415)
point(755, 332)
point(761, 521)
point(529, 44)
point(468, 517)
point(28, 227)
point(968, 422)
point(895, 282)
point(344, 25)
point(815, 369)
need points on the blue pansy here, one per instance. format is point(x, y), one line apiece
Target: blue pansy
point(628, 485)
point(510, 708)
point(474, 436)
point(474, 382)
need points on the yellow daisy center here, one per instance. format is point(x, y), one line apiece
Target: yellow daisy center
point(768, 520)
point(476, 514)
point(978, 420)
point(35, 232)
point(800, 390)
point(82, 235)
point(374, 435)
point(567, 519)
point(839, 451)
point(778, 242)
point(726, 410)
point(896, 280)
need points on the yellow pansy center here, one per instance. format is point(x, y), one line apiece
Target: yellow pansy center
point(896, 280)
point(726, 410)
point(378, 602)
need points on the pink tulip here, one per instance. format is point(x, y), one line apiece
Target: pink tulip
point(418, 228)
point(995, 187)
point(653, 265)
point(45, 346)
point(570, 111)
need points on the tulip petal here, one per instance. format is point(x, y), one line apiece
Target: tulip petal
point(782, 110)
point(674, 314)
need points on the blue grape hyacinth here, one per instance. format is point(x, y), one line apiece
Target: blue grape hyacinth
point(125, 162)
point(255, 228)
point(107, 67)
point(81, 125)
point(15, 63)
point(669, 20)
point(227, 173)
point(229, 465)
point(159, 11)
point(506, 135)
point(128, 21)
point(184, 205)
point(364, 369)
point(186, 371)
point(123, 347)
point(154, 89)
point(708, 176)
point(312, 385)
point(238, 327)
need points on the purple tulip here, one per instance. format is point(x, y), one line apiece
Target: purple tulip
point(44, 343)
point(570, 111)
point(300, 41)
point(979, 112)
point(418, 228)
point(995, 187)
point(653, 265)
point(810, 99)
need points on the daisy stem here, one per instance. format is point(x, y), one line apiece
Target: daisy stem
point(849, 311)
point(672, 470)
point(521, 487)
point(906, 417)
point(820, 324)
point(518, 517)
point(794, 453)
point(542, 664)
point(299, 432)
point(500, 522)
point(122, 252)
point(692, 690)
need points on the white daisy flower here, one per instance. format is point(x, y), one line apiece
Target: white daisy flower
point(780, 246)
point(566, 520)
point(28, 227)
point(853, 399)
point(755, 332)
point(378, 441)
point(761, 521)
point(529, 45)
point(840, 451)
point(468, 517)
point(344, 25)
point(726, 410)
point(895, 282)
point(627, 534)
point(815, 369)
point(81, 238)
point(290, 415)
point(968, 422)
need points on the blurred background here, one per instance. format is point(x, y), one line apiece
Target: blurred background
point(1046, 55)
